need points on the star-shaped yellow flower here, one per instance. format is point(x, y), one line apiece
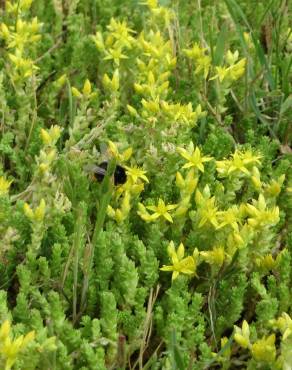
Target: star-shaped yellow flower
point(180, 265)
point(222, 73)
point(116, 55)
point(136, 173)
point(230, 217)
point(194, 158)
point(162, 210)
point(208, 213)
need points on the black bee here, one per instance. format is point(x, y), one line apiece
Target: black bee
point(99, 172)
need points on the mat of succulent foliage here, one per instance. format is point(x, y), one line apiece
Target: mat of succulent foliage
point(145, 184)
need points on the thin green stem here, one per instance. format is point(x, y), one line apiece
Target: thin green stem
point(106, 194)
point(79, 224)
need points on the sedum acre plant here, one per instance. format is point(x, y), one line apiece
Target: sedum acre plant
point(145, 185)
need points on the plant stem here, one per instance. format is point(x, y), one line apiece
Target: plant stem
point(106, 193)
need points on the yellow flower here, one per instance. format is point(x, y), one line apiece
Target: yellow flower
point(9, 349)
point(39, 212)
point(86, 91)
point(50, 136)
point(136, 173)
point(112, 84)
point(231, 58)
point(37, 215)
point(229, 217)
point(195, 52)
point(204, 64)
point(259, 214)
point(120, 157)
point(241, 162)
point(121, 213)
point(241, 335)
point(76, 92)
point(256, 178)
point(4, 185)
point(180, 264)
point(274, 188)
point(237, 70)
point(214, 257)
point(222, 73)
point(189, 184)
point(116, 55)
point(284, 324)
point(264, 349)
point(193, 157)
point(152, 4)
point(132, 110)
point(121, 33)
point(207, 210)
point(61, 81)
point(267, 262)
point(161, 210)
point(86, 88)
point(4, 330)
point(231, 73)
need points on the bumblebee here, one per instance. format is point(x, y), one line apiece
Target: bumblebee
point(99, 172)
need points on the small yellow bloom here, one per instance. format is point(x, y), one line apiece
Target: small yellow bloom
point(46, 138)
point(256, 178)
point(61, 81)
point(37, 215)
point(241, 335)
point(222, 73)
point(215, 257)
point(195, 52)
point(120, 157)
point(260, 215)
point(267, 262)
point(112, 85)
point(136, 173)
point(207, 211)
point(76, 92)
point(230, 217)
point(10, 349)
point(264, 349)
point(132, 110)
point(162, 210)
point(194, 158)
point(4, 185)
point(142, 212)
point(241, 162)
point(39, 212)
point(231, 58)
point(28, 211)
point(180, 264)
point(86, 88)
point(274, 188)
point(4, 330)
point(50, 136)
point(116, 55)
point(284, 324)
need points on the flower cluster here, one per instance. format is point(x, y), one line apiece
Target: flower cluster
point(10, 349)
point(134, 185)
point(263, 350)
point(19, 39)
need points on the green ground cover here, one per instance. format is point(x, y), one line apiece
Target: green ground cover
point(177, 253)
